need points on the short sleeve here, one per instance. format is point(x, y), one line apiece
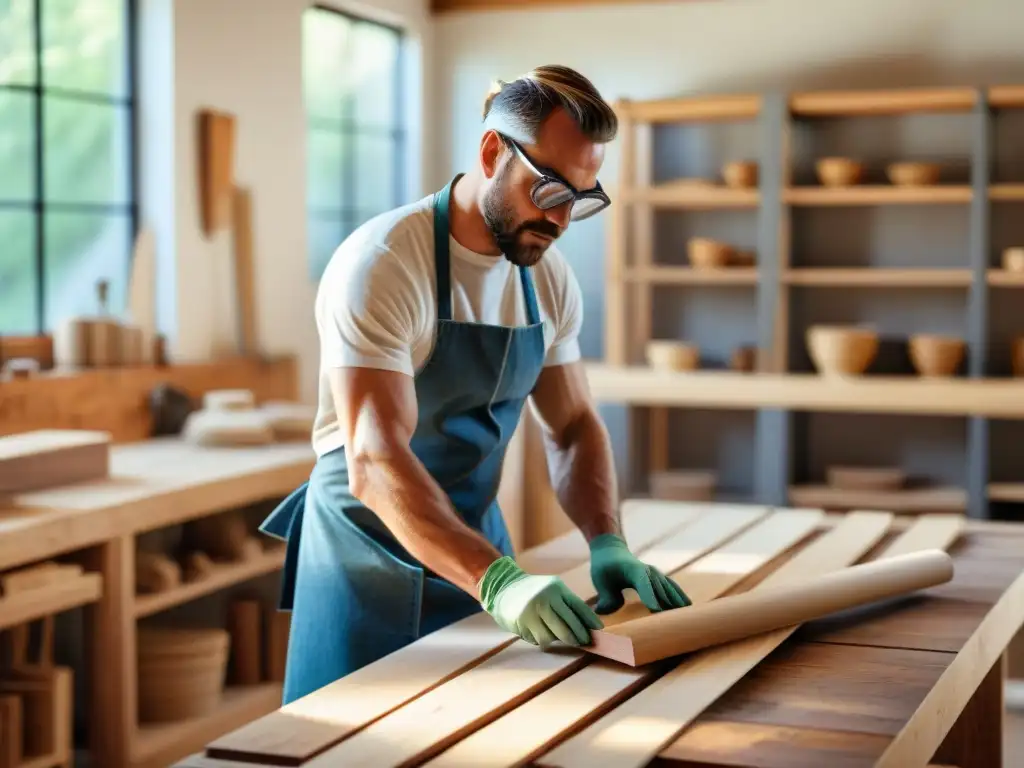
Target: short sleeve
point(368, 310)
point(567, 316)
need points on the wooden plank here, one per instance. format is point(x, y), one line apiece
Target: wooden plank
point(882, 102)
point(48, 458)
point(640, 385)
point(881, 194)
point(314, 723)
point(432, 722)
point(525, 732)
point(750, 745)
point(116, 400)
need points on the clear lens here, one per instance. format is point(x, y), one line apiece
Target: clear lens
point(585, 207)
point(551, 193)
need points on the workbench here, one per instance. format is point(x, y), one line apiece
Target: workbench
point(152, 484)
point(894, 685)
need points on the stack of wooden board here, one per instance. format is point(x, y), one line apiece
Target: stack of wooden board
point(878, 687)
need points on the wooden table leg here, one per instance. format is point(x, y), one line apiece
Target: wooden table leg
point(976, 740)
point(110, 642)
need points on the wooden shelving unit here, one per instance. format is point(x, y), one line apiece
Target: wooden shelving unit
point(802, 278)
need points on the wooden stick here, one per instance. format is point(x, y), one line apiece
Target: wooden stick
point(672, 633)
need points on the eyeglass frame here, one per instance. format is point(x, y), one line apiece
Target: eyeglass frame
point(547, 175)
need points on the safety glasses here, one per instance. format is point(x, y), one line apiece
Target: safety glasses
point(551, 189)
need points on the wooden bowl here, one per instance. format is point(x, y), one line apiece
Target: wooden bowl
point(743, 259)
point(740, 174)
point(683, 485)
point(673, 355)
point(866, 478)
point(744, 359)
point(934, 355)
point(839, 171)
point(705, 253)
point(1013, 259)
point(841, 350)
point(181, 673)
point(913, 174)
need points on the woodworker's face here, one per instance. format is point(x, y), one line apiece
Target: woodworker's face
point(522, 228)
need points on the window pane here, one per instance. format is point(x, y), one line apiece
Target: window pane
point(373, 63)
point(84, 45)
point(375, 172)
point(81, 249)
point(325, 40)
point(17, 42)
point(17, 145)
point(326, 233)
point(18, 288)
point(86, 152)
point(327, 153)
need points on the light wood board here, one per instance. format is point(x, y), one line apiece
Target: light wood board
point(316, 722)
point(679, 697)
point(522, 734)
point(444, 715)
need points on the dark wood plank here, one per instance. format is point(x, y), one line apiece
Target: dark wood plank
point(833, 687)
point(923, 623)
point(755, 745)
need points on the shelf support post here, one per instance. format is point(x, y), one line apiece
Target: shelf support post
point(978, 301)
point(774, 426)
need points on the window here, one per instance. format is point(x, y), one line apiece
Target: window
point(67, 170)
point(355, 137)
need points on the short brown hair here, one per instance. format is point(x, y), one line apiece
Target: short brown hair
point(524, 103)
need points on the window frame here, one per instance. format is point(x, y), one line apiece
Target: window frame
point(350, 126)
point(125, 105)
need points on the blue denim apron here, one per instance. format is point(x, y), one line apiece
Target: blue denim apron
point(355, 593)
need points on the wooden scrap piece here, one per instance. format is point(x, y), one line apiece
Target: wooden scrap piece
point(48, 458)
point(679, 697)
point(316, 722)
point(11, 732)
point(528, 730)
point(435, 721)
point(244, 626)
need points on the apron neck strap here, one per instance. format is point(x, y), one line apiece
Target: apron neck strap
point(442, 261)
point(442, 272)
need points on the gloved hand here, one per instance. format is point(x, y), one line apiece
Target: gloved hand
point(614, 568)
point(537, 608)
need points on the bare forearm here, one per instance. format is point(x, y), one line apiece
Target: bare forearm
point(398, 488)
point(584, 478)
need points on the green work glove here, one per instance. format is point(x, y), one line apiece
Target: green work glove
point(537, 608)
point(614, 568)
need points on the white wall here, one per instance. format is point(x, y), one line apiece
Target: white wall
point(244, 57)
point(660, 50)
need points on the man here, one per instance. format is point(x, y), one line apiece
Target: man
point(437, 321)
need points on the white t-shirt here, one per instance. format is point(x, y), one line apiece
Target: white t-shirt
point(376, 306)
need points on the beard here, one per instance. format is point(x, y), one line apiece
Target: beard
point(500, 219)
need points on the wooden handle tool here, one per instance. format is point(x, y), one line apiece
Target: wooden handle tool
point(681, 630)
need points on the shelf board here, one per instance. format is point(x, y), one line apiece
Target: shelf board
point(878, 277)
point(879, 194)
point(882, 102)
point(163, 743)
point(1003, 278)
point(696, 196)
point(640, 385)
point(224, 575)
point(905, 500)
point(694, 109)
point(1006, 96)
point(680, 275)
point(1006, 492)
point(32, 604)
point(1006, 192)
